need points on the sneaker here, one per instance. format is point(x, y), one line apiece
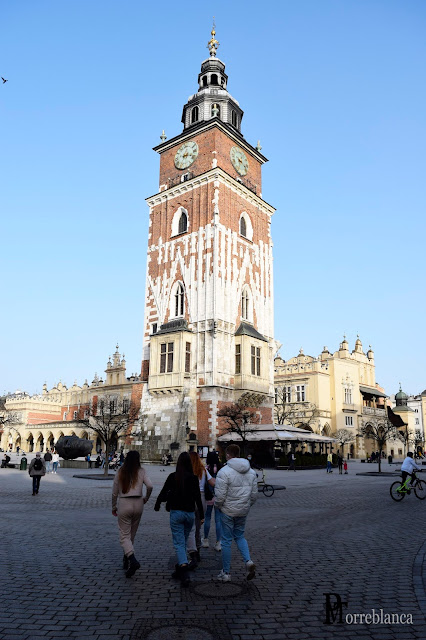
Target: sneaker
point(251, 570)
point(218, 546)
point(224, 577)
point(205, 543)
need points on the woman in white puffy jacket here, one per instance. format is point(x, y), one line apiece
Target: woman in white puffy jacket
point(235, 492)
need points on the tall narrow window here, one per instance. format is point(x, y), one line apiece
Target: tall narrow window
point(238, 359)
point(245, 303)
point(258, 361)
point(348, 396)
point(243, 227)
point(213, 79)
point(166, 357)
point(300, 393)
point(287, 394)
point(234, 118)
point(194, 114)
point(179, 300)
point(183, 223)
point(255, 361)
point(187, 357)
point(126, 405)
point(276, 395)
point(205, 81)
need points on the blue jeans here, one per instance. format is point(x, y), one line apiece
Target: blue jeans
point(328, 466)
point(181, 524)
point(207, 520)
point(55, 467)
point(233, 529)
point(48, 466)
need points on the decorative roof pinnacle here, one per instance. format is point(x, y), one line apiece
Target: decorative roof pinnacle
point(213, 43)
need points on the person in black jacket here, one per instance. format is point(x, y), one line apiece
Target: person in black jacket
point(181, 492)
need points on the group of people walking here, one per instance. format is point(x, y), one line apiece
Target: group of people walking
point(192, 493)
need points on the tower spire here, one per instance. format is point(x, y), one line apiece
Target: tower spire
point(213, 44)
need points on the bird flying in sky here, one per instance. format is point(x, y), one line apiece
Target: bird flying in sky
point(4, 80)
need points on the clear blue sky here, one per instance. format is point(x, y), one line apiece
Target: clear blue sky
point(334, 90)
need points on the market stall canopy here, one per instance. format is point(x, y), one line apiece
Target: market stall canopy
point(282, 432)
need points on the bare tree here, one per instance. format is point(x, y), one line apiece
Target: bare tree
point(240, 418)
point(109, 418)
point(343, 436)
point(302, 414)
point(381, 432)
point(417, 440)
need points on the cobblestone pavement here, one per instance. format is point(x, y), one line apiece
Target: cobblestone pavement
point(61, 575)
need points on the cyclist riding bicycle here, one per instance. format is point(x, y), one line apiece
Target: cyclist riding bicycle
point(409, 468)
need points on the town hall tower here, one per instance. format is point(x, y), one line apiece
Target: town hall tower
point(208, 327)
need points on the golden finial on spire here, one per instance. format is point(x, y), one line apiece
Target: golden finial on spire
point(213, 43)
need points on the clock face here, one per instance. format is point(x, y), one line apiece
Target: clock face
point(239, 160)
point(186, 155)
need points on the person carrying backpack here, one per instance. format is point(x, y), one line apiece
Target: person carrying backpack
point(36, 470)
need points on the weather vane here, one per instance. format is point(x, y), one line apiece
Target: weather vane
point(213, 43)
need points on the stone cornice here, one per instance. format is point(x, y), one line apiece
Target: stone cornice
point(205, 126)
point(204, 178)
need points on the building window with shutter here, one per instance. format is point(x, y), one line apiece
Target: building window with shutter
point(188, 357)
point(238, 359)
point(166, 357)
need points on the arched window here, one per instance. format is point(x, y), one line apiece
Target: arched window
point(234, 118)
point(179, 300)
point(243, 226)
point(183, 223)
point(205, 81)
point(194, 114)
point(245, 305)
point(213, 79)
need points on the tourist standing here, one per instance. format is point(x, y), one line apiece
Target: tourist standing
point(48, 461)
point(235, 492)
point(329, 462)
point(213, 466)
point(36, 470)
point(128, 490)
point(55, 461)
point(204, 477)
point(340, 463)
point(181, 492)
point(345, 466)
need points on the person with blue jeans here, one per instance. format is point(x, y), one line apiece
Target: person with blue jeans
point(235, 492)
point(181, 493)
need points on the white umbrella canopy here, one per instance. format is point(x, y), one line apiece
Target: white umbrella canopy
point(285, 433)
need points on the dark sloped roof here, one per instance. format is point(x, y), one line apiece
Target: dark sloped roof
point(396, 420)
point(372, 391)
point(174, 325)
point(246, 329)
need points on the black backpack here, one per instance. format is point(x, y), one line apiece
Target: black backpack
point(38, 465)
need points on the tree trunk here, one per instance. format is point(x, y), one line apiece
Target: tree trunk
point(106, 467)
point(380, 460)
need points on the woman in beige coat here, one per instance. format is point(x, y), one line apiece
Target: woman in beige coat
point(128, 489)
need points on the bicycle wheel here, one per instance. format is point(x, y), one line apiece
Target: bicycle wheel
point(420, 490)
point(268, 490)
point(396, 495)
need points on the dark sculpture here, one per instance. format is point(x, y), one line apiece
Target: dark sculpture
point(71, 447)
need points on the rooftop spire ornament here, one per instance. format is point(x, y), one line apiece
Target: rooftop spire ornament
point(163, 136)
point(213, 43)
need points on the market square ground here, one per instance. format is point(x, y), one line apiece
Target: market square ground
point(61, 575)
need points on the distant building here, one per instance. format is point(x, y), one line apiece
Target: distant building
point(331, 392)
point(40, 420)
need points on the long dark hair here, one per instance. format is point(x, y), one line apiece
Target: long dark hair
point(128, 474)
point(183, 466)
point(213, 459)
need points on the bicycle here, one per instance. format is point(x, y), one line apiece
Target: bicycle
point(398, 490)
point(267, 489)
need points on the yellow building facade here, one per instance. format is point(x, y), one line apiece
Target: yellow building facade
point(331, 392)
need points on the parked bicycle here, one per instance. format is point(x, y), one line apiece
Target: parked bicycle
point(267, 489)
point(399, 489)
